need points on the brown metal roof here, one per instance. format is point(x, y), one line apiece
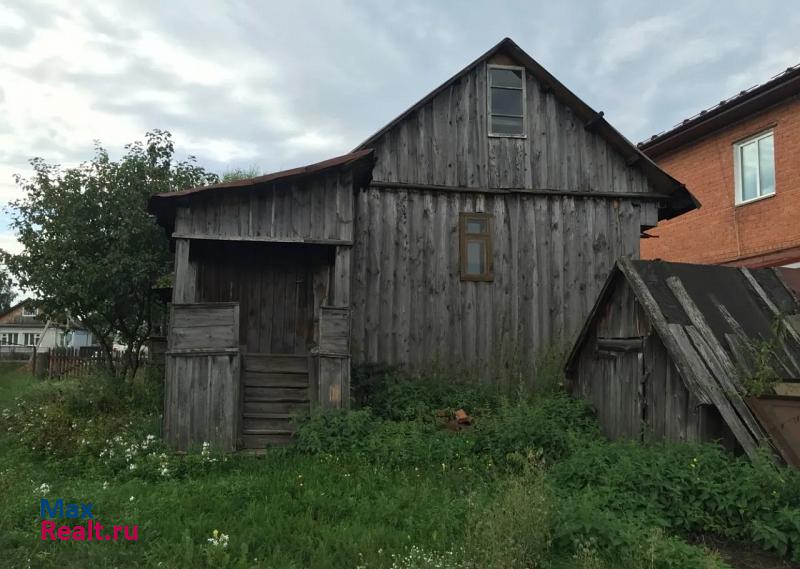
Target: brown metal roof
point(163, 204)
point(780, 87)
point(315, 168)
point(682, 201)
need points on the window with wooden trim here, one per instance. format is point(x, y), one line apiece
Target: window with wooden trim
point(506, 101)
point(475, 237)
point(28, 310)
point(754, 164)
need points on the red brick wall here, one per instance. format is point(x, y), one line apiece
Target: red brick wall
point(760, 233)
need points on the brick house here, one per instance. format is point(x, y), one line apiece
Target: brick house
point(741, 159)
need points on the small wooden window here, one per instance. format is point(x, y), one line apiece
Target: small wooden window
point(475, 236)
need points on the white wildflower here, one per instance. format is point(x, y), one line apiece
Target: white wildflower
point(105, 485)
point(218, 539)
point(131, 499)
point(44, 489)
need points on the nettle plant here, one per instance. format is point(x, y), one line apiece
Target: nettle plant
point(761, 376)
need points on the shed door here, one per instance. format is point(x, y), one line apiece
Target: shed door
point(622, 412)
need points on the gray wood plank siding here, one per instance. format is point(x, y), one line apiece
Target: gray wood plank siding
point(640, 394)
point(315, 209)
point(445, 142)
point(551, 257)
point(201, 400)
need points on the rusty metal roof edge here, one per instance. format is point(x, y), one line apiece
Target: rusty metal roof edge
point(310, 169)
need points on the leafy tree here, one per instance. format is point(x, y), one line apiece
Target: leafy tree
point(91, 250)
point(7, 292)
point(241, 174)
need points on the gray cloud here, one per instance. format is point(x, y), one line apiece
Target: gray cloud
point(282, 84)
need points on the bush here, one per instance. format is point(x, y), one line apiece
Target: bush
point(691, 489)
point(558, 425)
point(394, 394)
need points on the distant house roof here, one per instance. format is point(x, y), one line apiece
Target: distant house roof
point(12, 308)
point(683, 200)
point(745, 103)
point(163, 204)
point(710, 318)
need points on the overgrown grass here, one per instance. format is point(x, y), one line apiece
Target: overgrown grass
point(395, 483)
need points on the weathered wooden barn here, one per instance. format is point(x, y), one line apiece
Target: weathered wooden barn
point(484, 218)
point(668, 348)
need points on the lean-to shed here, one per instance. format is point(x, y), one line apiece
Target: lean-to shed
point(482, 221)
point(668, 348)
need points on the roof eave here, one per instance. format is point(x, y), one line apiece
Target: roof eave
point(757, 100)
point(163, 205)
point(662, 182)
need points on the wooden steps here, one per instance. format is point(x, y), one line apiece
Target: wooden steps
point(275, 390)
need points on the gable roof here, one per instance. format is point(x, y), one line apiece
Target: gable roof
point(709, 318)
point(745, 103)
point(13, 307)
point(682, 200)
point(163, 204)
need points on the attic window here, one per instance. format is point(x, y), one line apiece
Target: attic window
point(28, 310)
point(506, 101)
point(475, 234)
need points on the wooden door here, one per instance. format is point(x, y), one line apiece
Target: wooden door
point(273, 285)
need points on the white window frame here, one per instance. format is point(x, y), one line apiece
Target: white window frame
point(31, 338)
point(737, 167)
point(7, 337)
point(28, 311)
point(524, 134)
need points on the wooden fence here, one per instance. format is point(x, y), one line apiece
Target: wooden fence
point(63, 363)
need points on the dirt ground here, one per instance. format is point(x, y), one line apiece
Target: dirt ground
point(744, 555)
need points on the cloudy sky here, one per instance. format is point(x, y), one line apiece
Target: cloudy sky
point(279, 84)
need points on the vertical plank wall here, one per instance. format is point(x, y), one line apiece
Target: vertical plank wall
point(316, 209)
point(551, 258)
point(613, 382)
point(445, 142)
point(639, 394)
point(201, 400)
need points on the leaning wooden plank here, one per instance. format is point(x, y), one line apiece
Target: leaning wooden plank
point(659, 322)
point(717, 359)
point(717, 356)
point(762, 294)
point(729, 388)
point(720, 401)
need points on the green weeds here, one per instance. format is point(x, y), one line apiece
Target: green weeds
point(395, 483)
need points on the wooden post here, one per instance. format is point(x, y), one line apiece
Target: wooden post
point(185, 287)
